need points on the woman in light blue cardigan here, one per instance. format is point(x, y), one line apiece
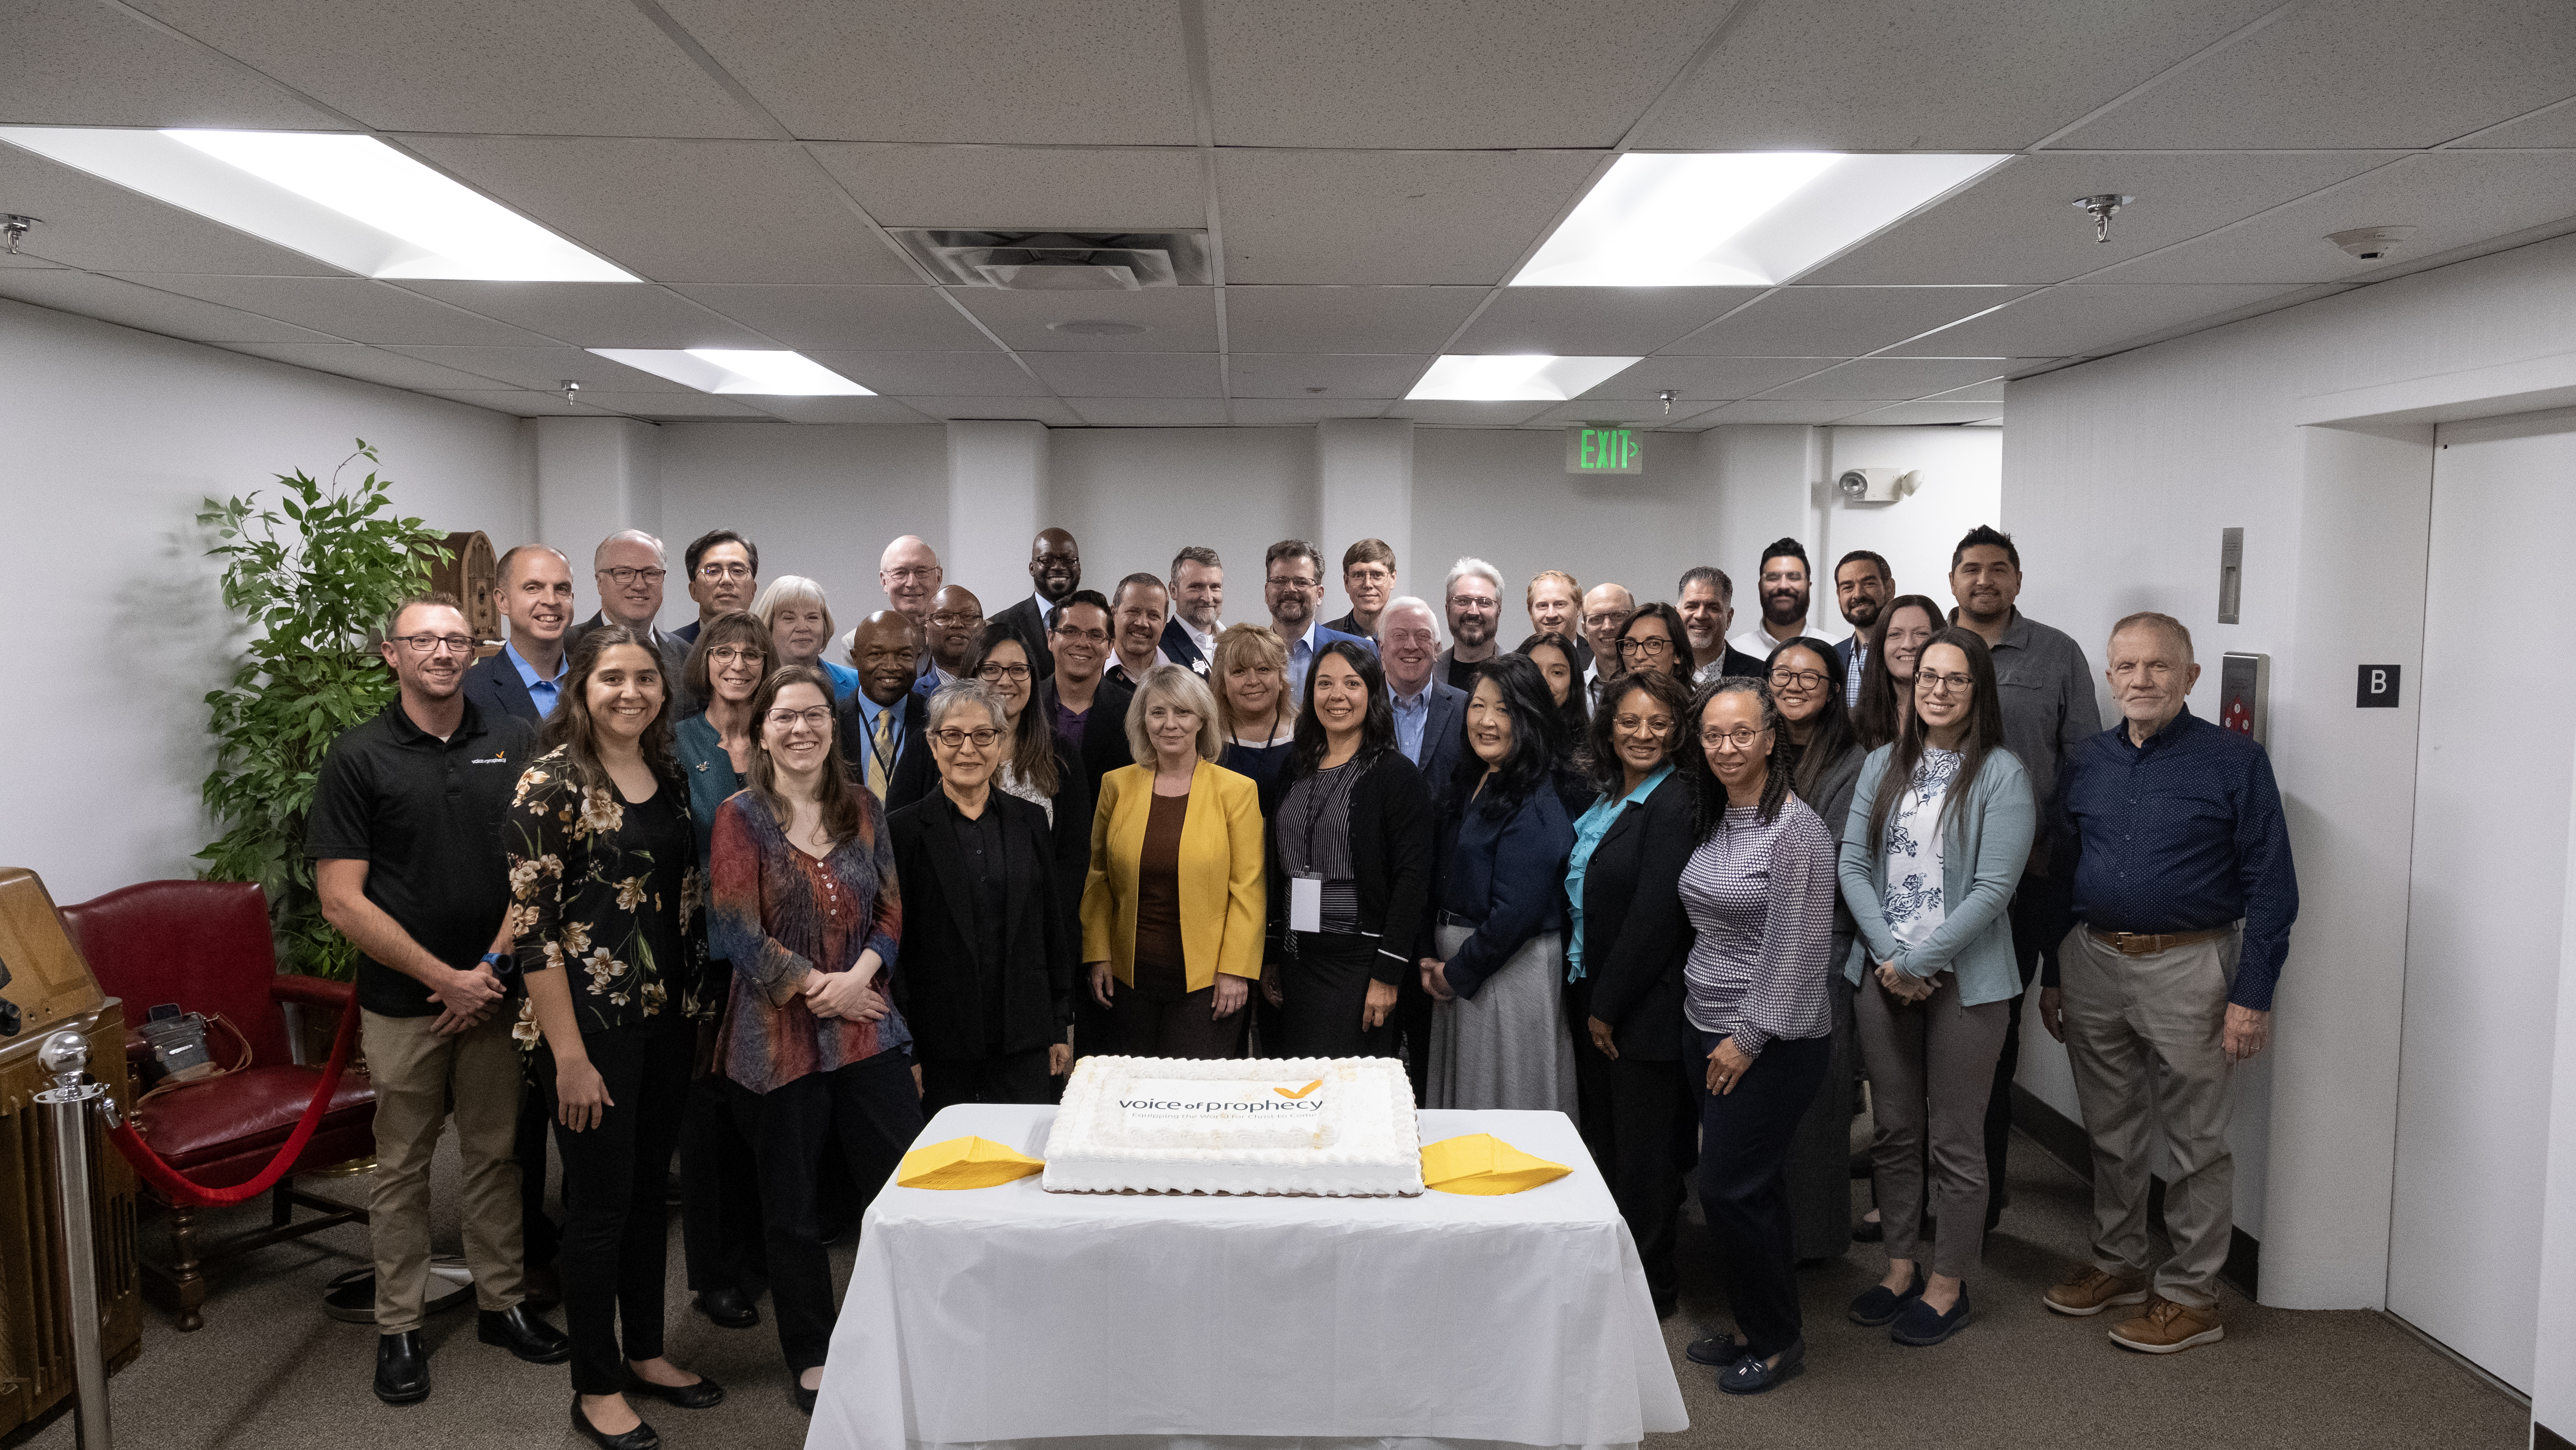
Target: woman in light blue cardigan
point(1940, 825)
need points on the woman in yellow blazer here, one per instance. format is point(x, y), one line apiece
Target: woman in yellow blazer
point(1173, 910)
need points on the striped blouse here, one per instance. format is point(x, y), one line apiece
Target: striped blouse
point(777, 913)
point(1761, 902)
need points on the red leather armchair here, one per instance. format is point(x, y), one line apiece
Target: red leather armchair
point(206, 945)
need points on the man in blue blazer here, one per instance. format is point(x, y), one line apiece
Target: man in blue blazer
point(533, 585)
point(1292, 585)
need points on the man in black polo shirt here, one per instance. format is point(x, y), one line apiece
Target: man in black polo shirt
point(405, 841)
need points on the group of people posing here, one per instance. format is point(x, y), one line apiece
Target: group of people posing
point(717, 891)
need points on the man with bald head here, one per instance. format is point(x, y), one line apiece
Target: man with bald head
point(1606, 608)
point(1055, 571)
point(628, 568)
point(909, 573)
point(956, 627)
point(881, 720)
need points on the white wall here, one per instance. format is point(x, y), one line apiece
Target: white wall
point(1960, 486)
point(113, 438)
point(821, 500)
point(1132, 497)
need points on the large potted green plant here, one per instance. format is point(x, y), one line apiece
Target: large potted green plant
point(311, 581)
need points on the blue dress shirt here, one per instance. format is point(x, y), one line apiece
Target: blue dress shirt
point(1412, 713)
point(542, 692)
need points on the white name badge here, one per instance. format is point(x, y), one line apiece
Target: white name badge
point(1305, 903)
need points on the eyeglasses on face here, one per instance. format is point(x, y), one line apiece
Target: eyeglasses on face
point(1651, 724)
point(954, 620)
point(724, 571)
point(736, 654)
point(1278, 582)
point(1739, 738)
point(1013, 673)
point(624, 575)
point(1949, 684)
point(909, 574)
point(818, 718)
point(1649, 646)
point(421, 644)
point(1798, 679)
point(1083, 636)
point(952, 739)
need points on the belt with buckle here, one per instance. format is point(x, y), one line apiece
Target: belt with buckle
point(1451, 918)
point(2139, 944)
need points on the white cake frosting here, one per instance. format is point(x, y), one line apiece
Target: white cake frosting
point(1340, 1127)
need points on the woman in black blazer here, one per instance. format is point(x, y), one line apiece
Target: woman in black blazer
point(985, 974)
point(1624, 965)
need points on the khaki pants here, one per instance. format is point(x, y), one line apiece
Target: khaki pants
point(419, 1076)
point(2143, 1034)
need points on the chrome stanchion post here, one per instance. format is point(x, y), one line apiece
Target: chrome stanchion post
point(67, 1105)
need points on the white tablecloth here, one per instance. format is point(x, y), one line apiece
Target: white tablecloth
point(1010, 1313)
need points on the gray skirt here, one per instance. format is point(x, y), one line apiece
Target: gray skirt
point(1506, 1047)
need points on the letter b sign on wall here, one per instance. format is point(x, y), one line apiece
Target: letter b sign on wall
point(2377, 689)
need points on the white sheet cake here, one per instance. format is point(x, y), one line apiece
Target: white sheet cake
point(1340, 1127)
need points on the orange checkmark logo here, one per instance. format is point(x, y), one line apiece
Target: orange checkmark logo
point(1301, 1092)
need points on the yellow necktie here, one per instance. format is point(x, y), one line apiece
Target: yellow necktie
point(881, 754)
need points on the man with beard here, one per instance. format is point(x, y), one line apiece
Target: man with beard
point(1198, 601)
point(1473, 595)
point(1055, 567)
point(1606, 608)
point(1292, 582)
point(724, 576)
point(1136, 619)
point(1784, 600)
point(1368, 580)
point(956, 627)
point(1862, 586)
point(1707, 609)
point(881, 721)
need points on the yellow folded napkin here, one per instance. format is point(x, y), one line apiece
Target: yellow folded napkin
point(1483, 1163)
point(963, 1163)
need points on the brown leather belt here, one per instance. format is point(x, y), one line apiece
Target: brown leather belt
point(2139, 944)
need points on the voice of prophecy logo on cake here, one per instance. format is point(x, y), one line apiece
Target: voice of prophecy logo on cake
point(1171, 1100)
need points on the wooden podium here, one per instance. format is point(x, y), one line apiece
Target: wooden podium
point(53, 990)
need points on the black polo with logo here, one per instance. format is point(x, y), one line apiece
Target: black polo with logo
point(425, 815)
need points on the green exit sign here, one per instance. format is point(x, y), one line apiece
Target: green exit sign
point(1600, 448)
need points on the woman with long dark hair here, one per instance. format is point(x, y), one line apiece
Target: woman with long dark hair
point(1560, 663)
point(1760, 894)
point(1653, 639)
point(1350, 865)
point(1941, 825)
point(1498, 1017)
point(1887, 676)
point(611, 942)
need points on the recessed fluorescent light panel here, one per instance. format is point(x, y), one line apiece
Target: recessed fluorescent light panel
point(349, 200)
point(1516, 377)
point(1735, 219)
point(739, 370)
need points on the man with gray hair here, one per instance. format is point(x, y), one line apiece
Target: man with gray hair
point(1430, 713)
point(628, 568)
point(1473, 597)
point(1198, 600)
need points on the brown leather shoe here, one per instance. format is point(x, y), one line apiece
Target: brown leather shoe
point(2091, 1291)
point(2169, 1328)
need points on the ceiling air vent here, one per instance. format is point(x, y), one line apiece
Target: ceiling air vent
point(1061, 261)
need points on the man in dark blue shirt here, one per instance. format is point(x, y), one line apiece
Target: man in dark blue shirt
point(2171, 828)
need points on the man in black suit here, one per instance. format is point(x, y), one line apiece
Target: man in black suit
point(1086, 709)
point(1862, 586)
point(628, 568)
point(1368, 581)
point(880, 723)
point(533, 585)
point(1708, 611)
point(1055, 568)
point(1430, 728)
point(723, 572)
point(1198, 601)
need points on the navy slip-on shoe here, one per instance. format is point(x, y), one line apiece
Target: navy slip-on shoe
point(1752, 1375)
point(1878, 1305)
point(1921, 1328)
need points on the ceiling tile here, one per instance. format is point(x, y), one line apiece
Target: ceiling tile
point(1645, 415)
point(1986, 392)
point(351, 307)
point(597, 314)
point(836, 410)
point(2555, 126)
point(2452, 198)
point(564, 68)
point(2020, 223)
point(2075, 319)
point(1471, 74)
point(1389, 216)
point(682, 404)
point(80, 63)
point(1130, 374)
point(110, 299)
point(545, 368)
point(1176, 319)
point(680, 211)
point(989, 373)
point(1109, 72)
point(1306, 375)
point(1927, 75)
point(1595, 321)
point(2393, 73)
point(1930, 411)
point(369, 364)
point(1050, 411)
point(1442, 413)
point(881, 319)
point(101, 227)
point(1345, 319)
point(515, 401)
point(1888, 378)
point(1063, 188)
point(1707, 379)
point(1286, 412)
point(1837, 321)
point(1769, 410)
point(1151, 412)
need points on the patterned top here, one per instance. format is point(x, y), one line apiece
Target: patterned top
point(780, 913)
point(1911, 901)
point(610, 887)
point(1761, 904)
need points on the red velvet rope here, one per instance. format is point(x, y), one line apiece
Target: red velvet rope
point(186, 1194)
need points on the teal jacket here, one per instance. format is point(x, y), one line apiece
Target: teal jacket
point(1985, 839)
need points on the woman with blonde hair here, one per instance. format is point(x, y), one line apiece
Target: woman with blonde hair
point(799, 621)
point(1254, 714)
point(1173, 907)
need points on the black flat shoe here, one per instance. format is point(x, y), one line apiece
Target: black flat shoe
point(1751, 1375)
point(639, 1438)
point(519, 1330)
point(729, 1308)
point(1868, 1231)
point(1716, 1351)
point(805, 1398)
point(1919, 1327)
point(706, 1394)
point(1878, 1305)
point(402, 1368)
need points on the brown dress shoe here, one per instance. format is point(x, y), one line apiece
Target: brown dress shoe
point(2091, 1291)
point(2169, 1328)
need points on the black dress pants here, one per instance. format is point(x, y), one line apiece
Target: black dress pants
point(2033, 906)
point(539, 1239)
point(1744, 1188)
point(1322, 990)
point(1003, 1077)
point(873, 1111)
point(1150, 1024)
point(1637, 1119)
point(720, 1232)
point(616, 1233)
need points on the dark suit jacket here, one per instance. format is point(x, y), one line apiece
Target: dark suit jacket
point(917, 776)
point(1391, 826)
point(1024, 621)
point(1737, 663)
point(1350, 624)
point(496, 689)
point(1180, 649)
point(1104, 731)
point(1634, 932)
point(675, 661)
point(936, 984)
point(1444, 736)
point(1842, 667)
point(852, 729)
